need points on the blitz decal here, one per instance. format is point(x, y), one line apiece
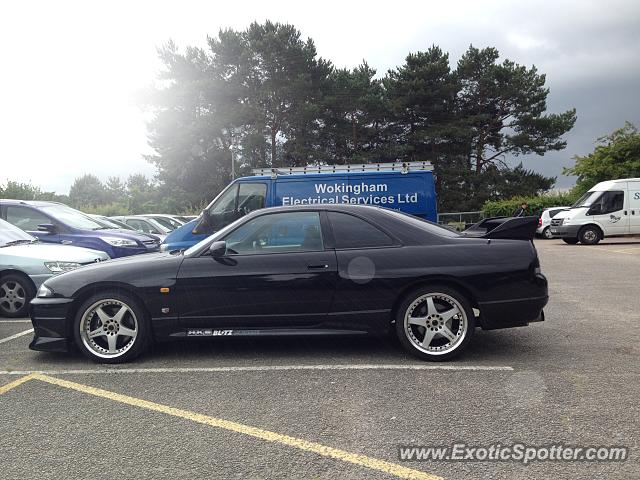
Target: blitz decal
point(207, 332)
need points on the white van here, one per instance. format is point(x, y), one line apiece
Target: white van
point(611, 208)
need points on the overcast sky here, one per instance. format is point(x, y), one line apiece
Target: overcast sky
point(71, 70)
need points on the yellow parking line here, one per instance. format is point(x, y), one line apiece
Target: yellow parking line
point(354, 458)
point(16, 383)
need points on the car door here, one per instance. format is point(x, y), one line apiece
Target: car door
point(634, 207)
point(610, 212)
point(27, 218)
point(367, 285)
point(277, 272)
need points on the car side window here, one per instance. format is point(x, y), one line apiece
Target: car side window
point(612, 202)
point(251, 196)
point(353, 232)
point(277, 233)
point(25, 218)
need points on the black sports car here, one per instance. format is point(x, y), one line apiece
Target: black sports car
point(301, 270)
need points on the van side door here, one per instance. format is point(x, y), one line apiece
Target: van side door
point(634, 207)
point(610, 211)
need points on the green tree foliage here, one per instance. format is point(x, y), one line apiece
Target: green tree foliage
point(86, 191)
point(265, 94)
point(20, 191)
point(505, 208)
point(616, 155)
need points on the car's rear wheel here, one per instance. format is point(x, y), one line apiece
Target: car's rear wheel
point(570, 240)
point(590, 235)
point(435, 323)
point(111, 328)
point(546, 234)
point(16, 291)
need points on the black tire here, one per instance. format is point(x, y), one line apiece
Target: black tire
point(570, 240)
point(546, 234)
point(590, 235)
point(439, 348)
point(16, 292)
point(135, 319)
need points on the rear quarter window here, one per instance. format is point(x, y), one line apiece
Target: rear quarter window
point(350, 231)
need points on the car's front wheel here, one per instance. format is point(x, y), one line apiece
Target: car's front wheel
point(435, 323)
point(546, 234)
point(16, 291)
point(111, 327)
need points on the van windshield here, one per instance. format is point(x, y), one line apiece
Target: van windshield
point(586, 200)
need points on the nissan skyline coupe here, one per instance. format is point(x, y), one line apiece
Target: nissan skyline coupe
point(314, 269)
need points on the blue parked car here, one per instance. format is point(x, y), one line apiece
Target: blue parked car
point(408, 187)
point(53, 222)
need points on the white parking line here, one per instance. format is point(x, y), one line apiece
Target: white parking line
point(17, 335)
point(266, 368)
point(5, 320)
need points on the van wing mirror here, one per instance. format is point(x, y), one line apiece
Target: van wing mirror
point(218, 249)
point(203, 225)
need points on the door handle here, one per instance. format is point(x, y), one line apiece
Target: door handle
point(317, 267)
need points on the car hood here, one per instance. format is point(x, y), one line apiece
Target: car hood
point(54, 252)
point(572, 212)
point(139, 271)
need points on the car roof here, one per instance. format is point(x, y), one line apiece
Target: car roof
point(32, 203)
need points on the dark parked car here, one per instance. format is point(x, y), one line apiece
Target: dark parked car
point(295, 270)
point(53, 222)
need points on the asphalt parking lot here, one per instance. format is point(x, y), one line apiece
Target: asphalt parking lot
point(339, 407)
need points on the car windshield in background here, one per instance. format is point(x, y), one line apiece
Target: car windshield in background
point(166, 222)
point(10, 235)
point(72, 217)
point(586, 200)
point(423, 224)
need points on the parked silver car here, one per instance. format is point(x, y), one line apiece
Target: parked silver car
point(25, 263)
point(544, 222)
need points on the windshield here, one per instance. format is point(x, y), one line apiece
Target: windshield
point(586, 200)
point(72, 217)
point(10, 234)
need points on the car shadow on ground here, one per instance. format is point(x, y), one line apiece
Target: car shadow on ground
point(490, 348)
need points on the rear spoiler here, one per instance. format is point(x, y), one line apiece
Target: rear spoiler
point(514, 228)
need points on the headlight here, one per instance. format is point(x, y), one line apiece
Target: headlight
point(120, 242)
point(44, 291)
point(564, 221)
point(164, 247)
point(59, 267)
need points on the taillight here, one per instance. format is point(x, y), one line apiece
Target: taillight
point(540, 222)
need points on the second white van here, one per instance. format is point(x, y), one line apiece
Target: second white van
point(610, 208)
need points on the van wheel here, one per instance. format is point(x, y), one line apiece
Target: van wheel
point(570, 241)
point(546, 234)
point(590, 235)
point(435, 323)
point(16, 292)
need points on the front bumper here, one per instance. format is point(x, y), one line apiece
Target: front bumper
point(51, 324)
point(565, 231)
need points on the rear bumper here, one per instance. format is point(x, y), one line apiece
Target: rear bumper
point(49, 317)
point(512, 313)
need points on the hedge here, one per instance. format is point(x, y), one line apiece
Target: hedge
point(505, 208)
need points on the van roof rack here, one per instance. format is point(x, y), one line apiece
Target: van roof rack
point(402, 167)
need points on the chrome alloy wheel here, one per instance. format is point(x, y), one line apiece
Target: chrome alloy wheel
point(12, 296)
point(436, 323)
point(108, 328)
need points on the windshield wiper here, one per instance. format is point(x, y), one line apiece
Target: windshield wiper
point(17, 242)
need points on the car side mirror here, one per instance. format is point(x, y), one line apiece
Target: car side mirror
point(218, 249)
point(47, 227)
